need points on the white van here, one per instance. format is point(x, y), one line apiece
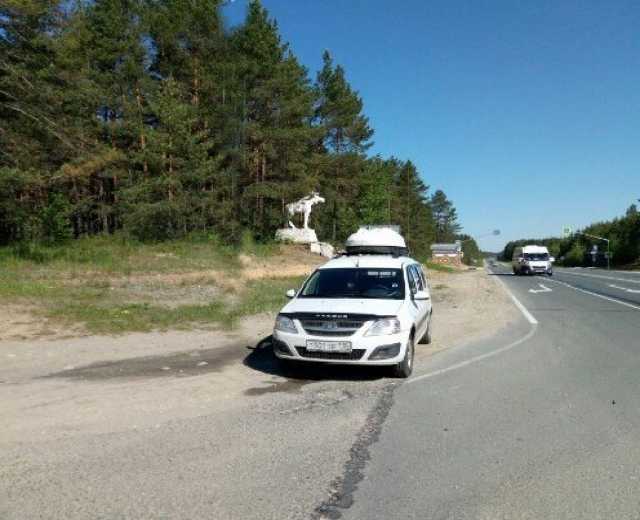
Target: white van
point(532, 260)
point(369, 306)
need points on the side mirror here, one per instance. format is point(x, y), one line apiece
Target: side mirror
point(291, 293)
point(421, 295)
point(552, 259)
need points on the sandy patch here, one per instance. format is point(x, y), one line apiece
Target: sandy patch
point(468, 306)
point(21, 323)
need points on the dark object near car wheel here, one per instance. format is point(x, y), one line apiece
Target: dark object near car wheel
point(288, 366)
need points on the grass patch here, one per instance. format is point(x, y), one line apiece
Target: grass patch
point(88, 281)
point(266, 295)
point(119, 255)
point(434, 266)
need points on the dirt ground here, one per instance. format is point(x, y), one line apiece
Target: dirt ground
point(53, 388)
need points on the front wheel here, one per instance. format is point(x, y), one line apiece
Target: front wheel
point(405, 367)
point(426, 339)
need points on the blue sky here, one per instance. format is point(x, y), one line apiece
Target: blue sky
point(527, 114)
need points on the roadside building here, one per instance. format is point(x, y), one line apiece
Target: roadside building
point(450, 254)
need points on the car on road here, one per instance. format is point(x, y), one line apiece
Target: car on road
point(532, 260)
point(369, 306)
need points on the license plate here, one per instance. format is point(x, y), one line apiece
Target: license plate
point(314, 345)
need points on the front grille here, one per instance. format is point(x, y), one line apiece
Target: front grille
point(329, 327)
point(352, 356)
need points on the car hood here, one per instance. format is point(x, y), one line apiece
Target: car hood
point(369, 306)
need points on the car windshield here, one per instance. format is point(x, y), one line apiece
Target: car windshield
point(536, 256)
point(387, 284)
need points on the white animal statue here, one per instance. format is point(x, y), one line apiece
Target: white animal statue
point(304, 206)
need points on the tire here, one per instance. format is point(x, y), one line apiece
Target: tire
point(403, 369)
point(426, 339)
point(550, 273)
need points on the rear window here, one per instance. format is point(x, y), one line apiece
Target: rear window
point(385, 284)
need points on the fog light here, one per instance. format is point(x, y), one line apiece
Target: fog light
point(281, 348)
point(386, 351)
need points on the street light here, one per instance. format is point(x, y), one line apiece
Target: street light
point(600, 238)
point(495, 233)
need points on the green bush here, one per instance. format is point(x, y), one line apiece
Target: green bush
point(155, 221)
point(56, 223)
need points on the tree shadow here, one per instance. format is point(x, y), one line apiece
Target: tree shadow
point(262, 359)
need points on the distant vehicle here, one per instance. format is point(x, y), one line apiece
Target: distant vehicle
point(366, 307)
point(532, 260)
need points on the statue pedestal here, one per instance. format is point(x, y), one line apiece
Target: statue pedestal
point(322, 248)
point(296, 235)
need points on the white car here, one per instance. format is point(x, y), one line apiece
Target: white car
point(532, 260)
point(367, 307)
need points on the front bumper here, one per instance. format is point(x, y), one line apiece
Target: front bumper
point(292, 346)
point(536, 269)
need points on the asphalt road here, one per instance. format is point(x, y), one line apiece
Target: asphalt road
point(546, 425)
point(622, 285)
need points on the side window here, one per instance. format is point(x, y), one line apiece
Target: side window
point(411, 280)
point(419, 280)
point(418, 284)
point(422, 277)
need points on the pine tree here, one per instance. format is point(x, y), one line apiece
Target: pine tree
point(101, 52)
point(32, 135)
point(446, 217)
point(276, 133)
point(412, 209)
point(150, 115)
point(346, 137)
point(376, 191)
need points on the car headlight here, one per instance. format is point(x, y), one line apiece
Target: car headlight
point(285, 324)
point(384, 327)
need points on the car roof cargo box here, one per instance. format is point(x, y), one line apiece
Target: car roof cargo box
point(376, 240)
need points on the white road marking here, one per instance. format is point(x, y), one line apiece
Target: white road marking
point(599, 269)
point(544, 288)
point(616, 279)
point(626, 289)
point(615, 300)
point(495, 352)
point(529, 317)
point(475, 359)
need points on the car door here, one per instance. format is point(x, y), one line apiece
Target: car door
point(427, 288)
point(421, 307)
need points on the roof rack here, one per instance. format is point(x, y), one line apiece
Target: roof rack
point(376, 250)
point(379, 240)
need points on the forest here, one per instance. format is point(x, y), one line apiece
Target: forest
point(576, 249)
point(154, 119)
